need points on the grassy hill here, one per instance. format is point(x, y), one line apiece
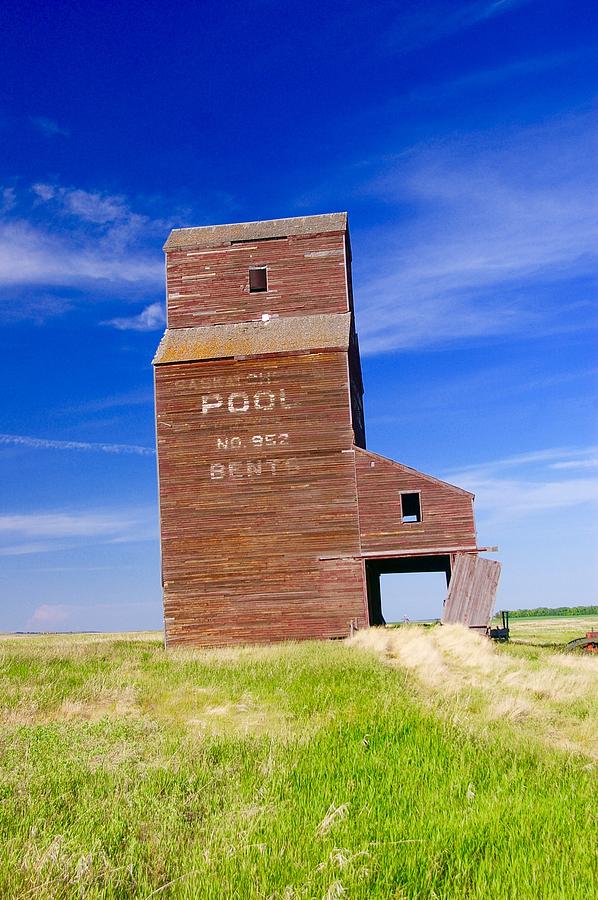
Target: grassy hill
point(409, 763)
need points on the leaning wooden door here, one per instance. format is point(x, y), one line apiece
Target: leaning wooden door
point(472, 591)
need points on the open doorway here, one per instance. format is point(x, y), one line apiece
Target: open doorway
point(412, 588)
point(412, 596)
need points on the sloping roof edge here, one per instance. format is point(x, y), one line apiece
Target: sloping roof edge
point(400, 465)
point(277, 335)
point(246, 231)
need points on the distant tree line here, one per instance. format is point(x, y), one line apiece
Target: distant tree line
point(556, 611)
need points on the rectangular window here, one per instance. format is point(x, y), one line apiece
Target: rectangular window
point(258, 280)
point(411, 510)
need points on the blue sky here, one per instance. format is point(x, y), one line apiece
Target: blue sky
point(458, 136)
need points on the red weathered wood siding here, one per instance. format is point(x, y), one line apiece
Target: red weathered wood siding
point(210, 285)
point(447, 511)
point(254, 488)
point(472, 591)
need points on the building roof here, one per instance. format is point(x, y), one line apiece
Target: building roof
point(208, 235)
point(277, 335)
point(393, 462)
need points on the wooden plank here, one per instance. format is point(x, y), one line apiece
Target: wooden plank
point(472, 591)
point(421, 551)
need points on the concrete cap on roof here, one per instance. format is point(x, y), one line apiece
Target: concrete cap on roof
point(209, 235)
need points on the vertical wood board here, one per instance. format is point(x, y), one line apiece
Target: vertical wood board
point(472, 591)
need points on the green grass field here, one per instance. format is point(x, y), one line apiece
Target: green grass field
point(408, 763)
point(559, 630)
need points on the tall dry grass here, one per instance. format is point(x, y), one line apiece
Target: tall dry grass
point(545, 696)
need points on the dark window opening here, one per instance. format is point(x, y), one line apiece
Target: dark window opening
point(411, 510)
point(257, 240)
point(258, 280)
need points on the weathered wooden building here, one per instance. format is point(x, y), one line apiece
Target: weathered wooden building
point(276, 522)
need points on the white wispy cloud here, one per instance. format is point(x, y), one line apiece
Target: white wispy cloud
point(8, 199)
point(48, 127)
point(141, 397)
point(67, 236)
point(493, 220)
point(426, 24)
point(62, 524)
point(49, 616)
point(93, 206)
point(488, 77)
point(551, 456)
point(478, 79)
point(43, 192)
point(33, 254)
point(26, 549)
point(151, 318)
point(78, 616)
point(503, 494)
point(36, 307)
point(109, 217)
point(43, 532)
point(506, 384)
point(22, 440)
point(502, 499)
point(576, 464)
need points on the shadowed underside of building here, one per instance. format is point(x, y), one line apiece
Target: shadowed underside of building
point(276, 522)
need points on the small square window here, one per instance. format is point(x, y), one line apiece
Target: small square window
point(411, 510)
point(258, 280)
